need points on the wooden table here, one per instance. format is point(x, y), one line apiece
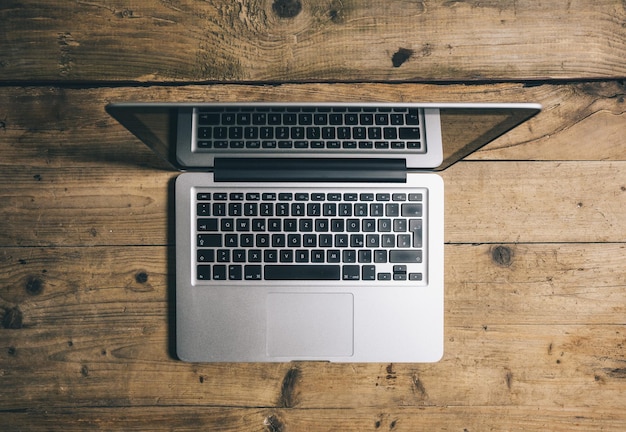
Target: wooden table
point(535, 222)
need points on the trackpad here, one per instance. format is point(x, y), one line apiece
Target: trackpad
point(310, 325)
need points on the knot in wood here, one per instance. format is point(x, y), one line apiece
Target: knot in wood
point(141, 277)
point(502, 255)
point(12, 318)
point(287, 8)
point(34, 286)
point(402, 55)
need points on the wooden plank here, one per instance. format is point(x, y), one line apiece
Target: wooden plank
point(538, 284)
point(95, 327)
point(534, 284)
point(485, 202)
point(56, 127)
point(349, 40)
point(478, 418)
point(535, 202)
point(44, 207)
point(126, 365)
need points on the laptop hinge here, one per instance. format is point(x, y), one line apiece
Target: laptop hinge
point(310, 170)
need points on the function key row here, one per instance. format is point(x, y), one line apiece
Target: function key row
point(408, 117)
point(306, 196)
point(301, 108)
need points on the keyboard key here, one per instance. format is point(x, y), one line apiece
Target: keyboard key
point(380, 256)
point(305, 119)
point(317, 256)
point(259, 118)
point(325, 240)
point(349, 256)
point(223, 255)
point(415, 276)
point(404, 241)
point(252, 272)
point(209, 240)
point(351, 272)
point(254, 255)
point(415, 227)
point(335, 119)
point(368, 272)
point(228, 118)
point(390, 133)
point(205, 224)
point(234, 272)
point(384, 276)
point(351, 119)
point(409, 210)
point(203, 209)
point(374, 133)
point(302, 196)
point(365, 256)
point(344, 133)
point(203, 272)
point(269, 196)
point(372, 240)
point(275, 119)
point(320, 119)
point(313, 209)
point(270, 256)
point(397, 119)
point(398, 197)
point(302, 256)
point(205, 255)
point(399, 225)
point(405, 256)
point(409, 133)
point(219, 272)
point(209, 119)
point(333, 256)
point(412, 117)
point(302, 272)
point(382, 119)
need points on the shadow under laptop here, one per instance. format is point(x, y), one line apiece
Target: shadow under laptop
point(171, 270)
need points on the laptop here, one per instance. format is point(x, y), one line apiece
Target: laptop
point(312, 231)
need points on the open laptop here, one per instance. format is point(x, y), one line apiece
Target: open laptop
point(312, 231)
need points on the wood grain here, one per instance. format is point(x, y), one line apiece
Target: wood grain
point(58, 127)
point(535, 229)
point(451, 418)
point(330, 40)
point(102, 336)
point(486, 202)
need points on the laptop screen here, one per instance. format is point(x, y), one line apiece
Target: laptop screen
point(465, 128)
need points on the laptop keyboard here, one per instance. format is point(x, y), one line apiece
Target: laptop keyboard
point(338, 234)
point(341, 128)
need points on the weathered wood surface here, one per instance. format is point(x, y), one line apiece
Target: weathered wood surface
point(64, 127)
point(453, 418)
point(535, 222)
point(534, 315)
point(485, 203)
point(536, 340)
point(329, 40)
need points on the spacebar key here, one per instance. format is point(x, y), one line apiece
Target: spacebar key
point(302, 272)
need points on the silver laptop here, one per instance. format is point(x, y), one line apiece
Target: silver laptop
point(312, 231)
